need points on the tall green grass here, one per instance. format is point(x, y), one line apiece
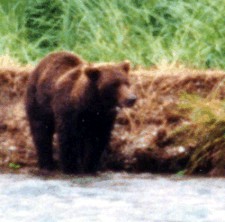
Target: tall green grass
point(145, 31)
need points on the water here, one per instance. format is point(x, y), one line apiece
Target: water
point(111, 197)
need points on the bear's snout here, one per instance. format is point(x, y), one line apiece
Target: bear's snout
point(129, 102)
point(126, 97)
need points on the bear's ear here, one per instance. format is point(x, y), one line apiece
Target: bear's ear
point(93, 73)
point(125, 66)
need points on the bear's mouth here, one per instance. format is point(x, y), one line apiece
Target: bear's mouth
point(118, 108)
point(124, 105)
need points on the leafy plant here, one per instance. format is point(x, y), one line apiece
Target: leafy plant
point(207, 130)
point(14, 166)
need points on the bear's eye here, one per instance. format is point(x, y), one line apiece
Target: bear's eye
point(116, 84)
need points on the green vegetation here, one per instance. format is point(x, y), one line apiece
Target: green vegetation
point(14, 166)
point(145, 31)
point(206, 132)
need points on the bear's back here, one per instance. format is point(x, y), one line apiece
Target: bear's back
point(42, 80)
point(53, 66)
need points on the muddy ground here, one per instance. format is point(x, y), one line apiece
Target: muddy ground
point(143, 138)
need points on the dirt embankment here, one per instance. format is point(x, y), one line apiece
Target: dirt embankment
point(143, 138)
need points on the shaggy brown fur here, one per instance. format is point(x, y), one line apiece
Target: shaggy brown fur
point(77, 101)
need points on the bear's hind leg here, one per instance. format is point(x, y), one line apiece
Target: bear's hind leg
point(42, 133)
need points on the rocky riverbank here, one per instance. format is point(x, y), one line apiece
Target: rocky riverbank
point(158, 135)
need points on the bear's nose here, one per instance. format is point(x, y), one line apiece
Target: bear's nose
point(130, 101)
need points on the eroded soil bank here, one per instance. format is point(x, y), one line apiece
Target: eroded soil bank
point(144, 139)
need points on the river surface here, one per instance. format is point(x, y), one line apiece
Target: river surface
point(111, 197)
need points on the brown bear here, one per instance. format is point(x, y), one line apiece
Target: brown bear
point(77, 101)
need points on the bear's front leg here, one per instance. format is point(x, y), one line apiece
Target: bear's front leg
point(100, 132)
point(94, 152)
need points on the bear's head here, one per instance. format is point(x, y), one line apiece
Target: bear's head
point(112, 84)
